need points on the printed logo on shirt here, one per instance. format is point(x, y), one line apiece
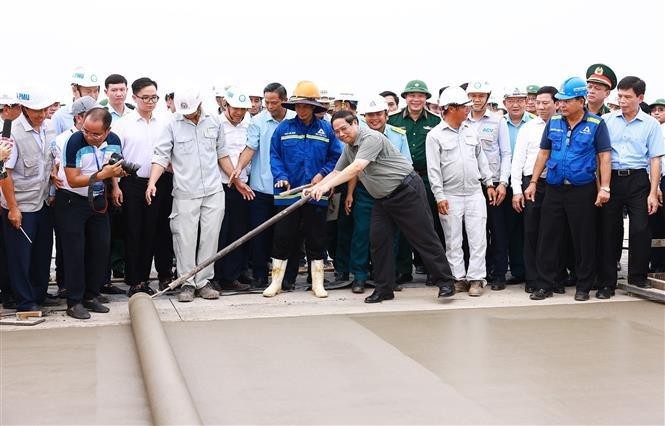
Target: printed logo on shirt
point(321, 133)
point(586, 130)
point(427, 127)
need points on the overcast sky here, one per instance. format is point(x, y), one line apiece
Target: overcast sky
point(341, 45)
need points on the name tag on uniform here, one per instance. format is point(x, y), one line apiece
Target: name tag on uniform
point(211, 132)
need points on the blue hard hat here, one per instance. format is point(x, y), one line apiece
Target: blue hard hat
point(573, 87)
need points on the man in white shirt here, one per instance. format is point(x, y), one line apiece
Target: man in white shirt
point(235, 122)
point(527, 146)
point(138, 132)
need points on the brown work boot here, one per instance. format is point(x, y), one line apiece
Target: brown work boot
point(461, 286)
point(475, 287)
point(207, 292)
point(186, 294)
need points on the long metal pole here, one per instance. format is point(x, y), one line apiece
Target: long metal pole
point(240, 241)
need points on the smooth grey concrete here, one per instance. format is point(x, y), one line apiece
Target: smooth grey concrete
point(599, 363)
point(169, 398)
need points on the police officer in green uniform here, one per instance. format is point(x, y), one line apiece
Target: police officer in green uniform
point(531, 91)
point(600, 81)
point(417, 122)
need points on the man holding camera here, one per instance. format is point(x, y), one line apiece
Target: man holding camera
point(85, 228)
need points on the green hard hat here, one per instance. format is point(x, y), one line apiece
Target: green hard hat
point(532, 89)
point(416, 86)
point(659, 101)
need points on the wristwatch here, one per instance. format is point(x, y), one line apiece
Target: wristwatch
point(605, 188)
point(505, 184)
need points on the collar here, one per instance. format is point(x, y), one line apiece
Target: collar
point(641, 115)
point(26, 125)
point(405, 113)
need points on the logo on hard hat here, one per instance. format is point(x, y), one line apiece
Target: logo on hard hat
point(372, 103)
point(416, 84)
point(183, 105)
point(477, 85)
point(23, 96)
point(229, 94)
point(242, 98)
point(93, 78)
point(78, 75)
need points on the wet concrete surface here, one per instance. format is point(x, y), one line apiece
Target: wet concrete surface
point(596, 363)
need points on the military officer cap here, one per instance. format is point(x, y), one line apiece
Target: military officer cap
point(416, 86)
point(659, 101)
point(532, 89)
point(601, 73)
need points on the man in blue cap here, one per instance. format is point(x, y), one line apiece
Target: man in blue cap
point(573, 145)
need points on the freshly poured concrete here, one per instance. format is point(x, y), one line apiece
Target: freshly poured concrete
point(596, 363)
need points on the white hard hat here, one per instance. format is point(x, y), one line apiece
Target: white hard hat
point(613, 98)
point(373, 104)
point(35, 98)
point(478, 86)
point(325, 96)
point(187, 101)
point(8, 97)
point(219, 91)
point(237, 98)
point(515, 92)
point(454, 95)
point(346, 96)
point(256, 92)
point(85, 78)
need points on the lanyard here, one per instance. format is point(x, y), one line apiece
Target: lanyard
point(97, 159)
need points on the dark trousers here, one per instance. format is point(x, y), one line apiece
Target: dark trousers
point(5, 286)
point(632, 192)
point(261, 208)
point(515, 227)
point(86, 239)
point(497, 244)
point(234, 225)
point(362, 216)
point(140, 222)
point(287, 239)
point(574, 204)
point(345, 230)
point(657, 225)
point(408, 210)
point(164, 239)
point(29, 263)
point(532, 211)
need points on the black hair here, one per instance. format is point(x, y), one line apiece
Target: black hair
point(637, 84)
point(169, 96)
point(114, 79)
point(442, 89)
point(98, 113)
point(346, 115)
point(141, 83)
point(548, 89)
point(645, 107)
point(389, 93)
point(276, 88)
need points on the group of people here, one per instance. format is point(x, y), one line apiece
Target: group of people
point(449, 184)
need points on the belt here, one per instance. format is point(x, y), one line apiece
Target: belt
point(405, 182)
point(627, 172)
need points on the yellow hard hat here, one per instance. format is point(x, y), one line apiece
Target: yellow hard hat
point(305, 92)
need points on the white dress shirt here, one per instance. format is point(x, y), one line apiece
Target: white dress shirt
point(527, 146)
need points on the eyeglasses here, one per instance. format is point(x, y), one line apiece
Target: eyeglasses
point(515, 100)
point(342, 129)
point(93, 135)
point(149, 99)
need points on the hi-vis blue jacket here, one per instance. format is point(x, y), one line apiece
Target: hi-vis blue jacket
point(298, 152)
point(573, 152)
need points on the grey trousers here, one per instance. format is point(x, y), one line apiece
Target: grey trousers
point(186, 216)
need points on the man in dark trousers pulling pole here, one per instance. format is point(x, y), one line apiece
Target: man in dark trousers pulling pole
point(401, 202)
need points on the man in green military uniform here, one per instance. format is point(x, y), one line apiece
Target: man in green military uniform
point(600, 81)
point(416, 121)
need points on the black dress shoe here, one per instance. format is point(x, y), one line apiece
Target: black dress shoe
point(529, 288)
point(234, 285)
point(398, 287)
point(540, 294)
point(50, 301)
point(164, 283)
point(288, 285)
point(358, 286)
point(103, 299)
point(341, 276)
point(403, 278)
point(429, 281)
point(581, 296)
point(421, 270)
point(140, 288)
point(498, 285)
point(644, 284)
point(515, 280)
point(109, 288)
point(559, 290)
point(245, 279)
point(78, 311)
point(605, 293)
point(94, 306)
point(447, 290)
point(379, 296)
point(261, 284)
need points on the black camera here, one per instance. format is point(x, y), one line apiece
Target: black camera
point(128, 167)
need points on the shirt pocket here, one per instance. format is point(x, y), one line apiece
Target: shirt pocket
point(183, 145)
point(210, 136)
point(556, 138)
point(469, 146)
point(30, 167)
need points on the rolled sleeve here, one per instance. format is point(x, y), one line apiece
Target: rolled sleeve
point(222, 151)
point(161, 153)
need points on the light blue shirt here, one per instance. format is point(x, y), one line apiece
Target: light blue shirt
point(636, 142)
point(513, 129)
point(260, 131)
point(62, 119)
point(398, 139)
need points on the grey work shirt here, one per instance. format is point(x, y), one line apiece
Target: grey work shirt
point(387, 168)
point(193, 151)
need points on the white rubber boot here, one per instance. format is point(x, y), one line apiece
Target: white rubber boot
point(278, 270)
point(317, 279)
